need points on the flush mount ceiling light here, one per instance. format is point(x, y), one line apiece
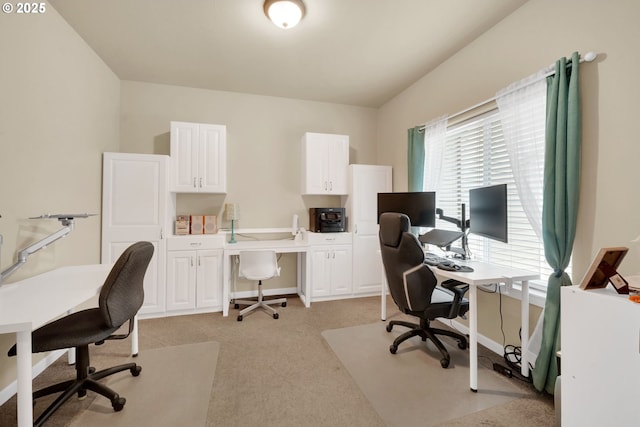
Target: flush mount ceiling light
point(284, 13)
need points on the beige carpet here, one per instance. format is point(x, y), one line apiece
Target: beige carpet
point(173, 389)
point(392, 382)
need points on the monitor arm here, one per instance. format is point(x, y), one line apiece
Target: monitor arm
point(463, 225)
point(67, 220)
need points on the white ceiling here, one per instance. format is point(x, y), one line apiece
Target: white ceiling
point(356, 52)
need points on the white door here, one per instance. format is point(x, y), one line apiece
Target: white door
point(212, 159)
point(320, 277)
point(134, 206)
point(366, 182)
point(181, 280)
point(209, 279)
point(184, 157)
point(341, 273)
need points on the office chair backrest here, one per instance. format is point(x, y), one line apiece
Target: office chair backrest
point(258, 265)
point(122, 294)
point(411, 282)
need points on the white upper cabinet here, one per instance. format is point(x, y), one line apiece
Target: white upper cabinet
point(198, 158)
point(325, 158)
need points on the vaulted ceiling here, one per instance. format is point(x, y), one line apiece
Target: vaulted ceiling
point(355, 52)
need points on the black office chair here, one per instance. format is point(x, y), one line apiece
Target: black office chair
point(120, 299)
point(413, 286)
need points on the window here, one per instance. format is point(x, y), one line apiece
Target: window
point(475, 155)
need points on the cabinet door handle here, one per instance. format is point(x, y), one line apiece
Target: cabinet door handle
point(194, 182)
point(330, 185)
point(195, 243)
point(200, 182)
point(191, 258)
point(198, 261)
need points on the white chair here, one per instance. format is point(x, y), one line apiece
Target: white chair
point(259, 265)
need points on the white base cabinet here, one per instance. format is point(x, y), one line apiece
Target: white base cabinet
point(194, 274)
point(331, 265)
point(600, 362)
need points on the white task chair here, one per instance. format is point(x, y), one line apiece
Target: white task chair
point(259, 265)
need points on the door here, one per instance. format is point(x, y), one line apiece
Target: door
point(366, 182)
point(181, 280)
point(212, 159)
point(184, 157)
point(209, 279)
point(134, 206)
point(341, 270)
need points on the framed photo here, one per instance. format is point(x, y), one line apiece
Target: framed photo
point(604, 269)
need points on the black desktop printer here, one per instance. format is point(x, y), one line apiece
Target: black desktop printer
point(327, 220)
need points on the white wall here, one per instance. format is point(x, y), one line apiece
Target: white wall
point(59, 110)
point(530, 39)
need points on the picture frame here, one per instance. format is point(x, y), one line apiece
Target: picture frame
point(604, 270)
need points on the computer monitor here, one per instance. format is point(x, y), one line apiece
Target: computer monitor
point(420, 207)
point(488, 212)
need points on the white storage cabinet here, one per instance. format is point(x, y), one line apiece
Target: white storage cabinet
point(194, 273)
point(365, 182)
point(331, 265)
point(325, 158)
point(198, 158)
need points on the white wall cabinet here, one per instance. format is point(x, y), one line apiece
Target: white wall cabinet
point(365, 182)
point(331, 265)
point(194, 274)
point(325, 158)
point(198, 158)
point(600, 363)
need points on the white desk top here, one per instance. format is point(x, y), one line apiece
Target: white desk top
point(278, 245)
point(484, 274)
point(38, 299)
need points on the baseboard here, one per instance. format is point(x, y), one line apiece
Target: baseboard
point(10, 390)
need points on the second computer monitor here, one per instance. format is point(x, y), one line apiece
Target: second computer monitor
point(420, 206)
point(488, 212)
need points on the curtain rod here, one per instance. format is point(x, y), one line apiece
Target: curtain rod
point(550, 70)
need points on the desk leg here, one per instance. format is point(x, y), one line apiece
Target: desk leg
point(25, 388)
point(383, 296)
point(524, 301)
point(307, 279)
point(134, 337)
point(473, 338)
point(226, 268)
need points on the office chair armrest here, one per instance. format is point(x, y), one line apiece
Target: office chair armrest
point(120, 336)
point(459, 289)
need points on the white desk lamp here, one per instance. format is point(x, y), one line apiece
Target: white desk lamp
point(232, 213)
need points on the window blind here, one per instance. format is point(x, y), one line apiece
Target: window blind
point(476, 156)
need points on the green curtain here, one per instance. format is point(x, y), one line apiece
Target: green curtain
point(560, 205)
point(415, 157)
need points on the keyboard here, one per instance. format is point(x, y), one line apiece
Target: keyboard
point(433, 259)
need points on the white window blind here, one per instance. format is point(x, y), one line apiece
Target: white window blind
point(476, 156)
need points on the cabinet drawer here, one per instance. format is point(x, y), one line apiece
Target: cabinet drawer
point(329, 238)
point(180, 243)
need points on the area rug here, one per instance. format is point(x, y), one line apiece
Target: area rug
point(173, 389)
point(391, 382)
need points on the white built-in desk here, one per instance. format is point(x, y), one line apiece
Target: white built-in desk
point(301, 247)
point(483, 274)
point(27, 304)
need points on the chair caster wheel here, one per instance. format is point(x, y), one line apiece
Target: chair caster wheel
point(393, 348)
point(239, 318)
point(275, 315)
point(135, 371)
point(444, 363)
point(284, 304)
point(92, 370)
point(389, 327)
point(462, 345)
point(236, 306)
point(118, 403)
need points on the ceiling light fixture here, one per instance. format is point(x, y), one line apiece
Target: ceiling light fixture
point(284, 13)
